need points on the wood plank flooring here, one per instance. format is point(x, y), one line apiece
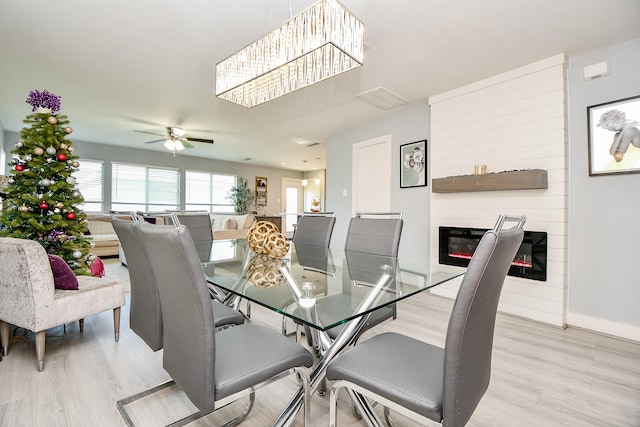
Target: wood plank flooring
point(542, 376)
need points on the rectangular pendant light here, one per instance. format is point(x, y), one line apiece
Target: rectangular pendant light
point(318, 43)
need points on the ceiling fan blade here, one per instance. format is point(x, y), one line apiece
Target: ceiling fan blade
point(155, 140)
point(208, 141)
point(186, 144)
point(150, 133)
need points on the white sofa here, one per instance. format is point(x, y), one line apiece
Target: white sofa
point(103, 235)
point(231, 226)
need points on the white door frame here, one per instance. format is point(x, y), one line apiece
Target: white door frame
point(290, 182)
point(381, 171)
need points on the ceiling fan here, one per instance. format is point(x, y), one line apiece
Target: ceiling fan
point(175, 139)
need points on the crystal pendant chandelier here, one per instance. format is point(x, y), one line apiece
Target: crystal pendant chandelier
point(320, 42)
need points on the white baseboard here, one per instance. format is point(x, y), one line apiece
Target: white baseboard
point(608, 327)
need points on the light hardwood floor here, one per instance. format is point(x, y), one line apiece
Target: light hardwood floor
point(542, 376)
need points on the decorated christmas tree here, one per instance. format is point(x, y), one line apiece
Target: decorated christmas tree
point(41, 199)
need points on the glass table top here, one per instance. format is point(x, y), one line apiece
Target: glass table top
point(317, 286)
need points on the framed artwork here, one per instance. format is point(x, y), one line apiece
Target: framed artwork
point(413, 164)
point(614, 137)
point(261, 191)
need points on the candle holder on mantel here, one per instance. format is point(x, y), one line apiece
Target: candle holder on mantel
point(480, 169)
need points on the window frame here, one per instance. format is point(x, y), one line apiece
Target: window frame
point(146, 205)
point(211, 207)
point(79, 185)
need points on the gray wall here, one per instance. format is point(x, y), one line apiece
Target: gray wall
point(407, 126)
point(604, 225)
point(3, 166)
point(182, 161)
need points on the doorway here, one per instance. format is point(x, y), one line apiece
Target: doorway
point(292, 204)
point(372, 175)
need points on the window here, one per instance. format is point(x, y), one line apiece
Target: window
point(89, 179)
point(144, 188)
point(208, 191)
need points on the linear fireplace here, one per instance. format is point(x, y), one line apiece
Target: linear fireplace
point(457, 246)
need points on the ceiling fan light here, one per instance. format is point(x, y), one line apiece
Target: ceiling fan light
point(170, 145)
point(178, 131)
point(179, 146)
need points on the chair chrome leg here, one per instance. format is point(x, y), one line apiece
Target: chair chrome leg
point(123, 402)
point(240, 418)
point(183, 421)
point(387, 417)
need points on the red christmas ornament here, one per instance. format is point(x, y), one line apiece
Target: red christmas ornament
point(71, 216)
point(44, 205)
point(62, 157)
point(19, 168)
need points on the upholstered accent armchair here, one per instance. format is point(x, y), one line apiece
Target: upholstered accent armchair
point(28, 298)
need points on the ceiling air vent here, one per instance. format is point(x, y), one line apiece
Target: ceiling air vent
point(382, 98)
point(305, 142)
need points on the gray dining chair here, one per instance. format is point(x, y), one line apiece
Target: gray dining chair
point(375, 233)
point(213, 368)
point(423, 381)
point(314, 229)
point(311, 230)
point(145, 315)
point(199, 225)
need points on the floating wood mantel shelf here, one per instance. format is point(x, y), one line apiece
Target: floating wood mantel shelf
point(528, 179)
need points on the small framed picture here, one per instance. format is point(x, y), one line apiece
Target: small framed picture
point(413, 164)
point(614, 137)
point(261, 191)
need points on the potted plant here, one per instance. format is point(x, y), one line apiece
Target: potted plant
point(241, 196)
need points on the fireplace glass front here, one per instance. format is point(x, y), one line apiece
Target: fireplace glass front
point(457, 245)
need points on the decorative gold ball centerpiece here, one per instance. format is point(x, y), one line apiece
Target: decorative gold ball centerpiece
point(270, 245)
point(264, 237)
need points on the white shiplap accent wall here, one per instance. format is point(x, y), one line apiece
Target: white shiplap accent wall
point(515, 120)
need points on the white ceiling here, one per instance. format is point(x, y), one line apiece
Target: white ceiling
point(126, 65)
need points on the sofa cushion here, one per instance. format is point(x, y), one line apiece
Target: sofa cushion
point(248, 221)
point(63, 276)
point(100, 227)
point(230, 224)
point(218, 221)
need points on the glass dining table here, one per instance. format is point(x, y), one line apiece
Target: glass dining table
point(320, 288)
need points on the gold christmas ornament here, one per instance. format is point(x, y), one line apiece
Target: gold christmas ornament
point(68, 129)
point(38, 151)
point(63, 146)
point(52, 120)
